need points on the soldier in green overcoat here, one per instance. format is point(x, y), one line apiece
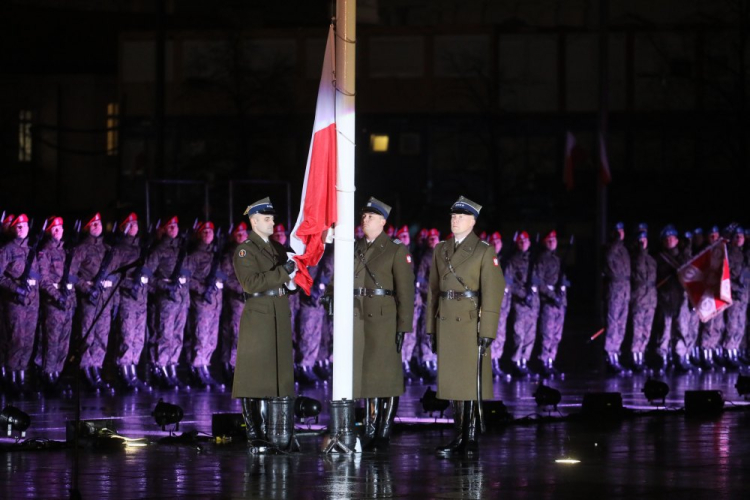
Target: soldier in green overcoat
point(383, 311)
point(463, 308)
point(264, 374)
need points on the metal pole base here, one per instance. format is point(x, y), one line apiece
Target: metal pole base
point(341, 437)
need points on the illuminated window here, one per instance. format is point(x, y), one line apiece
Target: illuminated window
point(24, 135)
point(378, 143)
point(113, 124)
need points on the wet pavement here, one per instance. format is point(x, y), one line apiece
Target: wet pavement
point(646, 453)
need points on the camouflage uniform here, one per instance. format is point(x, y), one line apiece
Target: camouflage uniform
point(310, 327)
point(58, 303)
point(496, 349)
point(617, 275)
point(671, 297)
point(736, 314)
point(325, 278)
point(172, 302)
point(553, 302)
point(88, 259)
point(231, 311)
point(423, 346)
point(131, 315)
point(20, 313)
point(204, 314)
point(643, 298)
point(525, 304)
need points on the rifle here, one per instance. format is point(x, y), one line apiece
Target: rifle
point(532, 282)
point(28, 274)
point(562, 280)
point(179, 274)
point(67, 281)
point(216, 278)
point(99, 279)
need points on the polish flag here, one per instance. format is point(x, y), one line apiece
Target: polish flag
point(570, 144)
point(604, 172)
point(318, 206)
point(707, 281)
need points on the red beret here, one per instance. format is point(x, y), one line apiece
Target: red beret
point(279, 228)
point(551, 234)
point(523, 235)
point(128, 220)
point(205, 225)
point(403, 230)
point(97, 217)
point(239, 227)
point(9, 219)
point(433, 232)
point(496, 236)
point(53, 221)
point(172, 220)
point(18, 220)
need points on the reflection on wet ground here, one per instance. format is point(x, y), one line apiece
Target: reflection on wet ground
point(647, 454)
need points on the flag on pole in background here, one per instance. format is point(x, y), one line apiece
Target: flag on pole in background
point(318, 205)
point(706, 280)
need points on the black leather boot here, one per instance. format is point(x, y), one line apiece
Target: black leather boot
point(613, 365)
point(125, 379)
point(409, 376)
point(249, 407)
point(388, 409)
point(458, 419)
point(707, 360)
point(227, 372)
point(685, 366)
point(470, 445)
point(497, 372)
point(175, 379)
point(372, 413)
point(637, 359)
point(429, 371)
point(519, 369)
point(139, 384)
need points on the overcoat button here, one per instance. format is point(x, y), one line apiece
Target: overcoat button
point(369, 315)
point(458, 318)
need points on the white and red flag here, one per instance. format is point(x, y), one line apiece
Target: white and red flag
point(706, 280)
point(318, 206)
point(605, 174)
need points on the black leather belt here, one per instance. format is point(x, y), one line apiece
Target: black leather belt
point(275, 292)
point(370, 292)
point(454, 295)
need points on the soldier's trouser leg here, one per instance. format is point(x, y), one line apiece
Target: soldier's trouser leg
point(311, 319)
point(410, 341)
point(206, 334)
point(711, 332)
point(96, 342)
point(21, 329)
point(424, 347)
point(664, 338)
point(683, 341)
point(132, 322)
point(524, 330)
point(496, 349)
point(735, 325)
point(56, 328)
point(643, 321)
point(618, 299)
point(165, 330)
point(230, 330)
point(152, 328)
point(551, 325)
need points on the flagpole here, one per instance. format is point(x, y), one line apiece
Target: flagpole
point(343, 324)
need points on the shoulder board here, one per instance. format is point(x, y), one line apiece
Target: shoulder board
point(246, 241)
point(482, 241)
point(397, 241)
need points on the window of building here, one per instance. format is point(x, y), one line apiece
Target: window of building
point(24, 135)
point(378, 143)
point(113, 128)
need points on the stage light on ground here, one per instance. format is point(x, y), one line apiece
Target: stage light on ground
point(13, 419)
point(655, 390)
point(703, 403)
point(167, 414)
point(547, 396)
point(567, 461)
point(305, 407)
point(430, 403)
point(743, 385)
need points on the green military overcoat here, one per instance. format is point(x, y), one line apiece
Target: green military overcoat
point(264, 367)
point(377, 365)
point(458, 323)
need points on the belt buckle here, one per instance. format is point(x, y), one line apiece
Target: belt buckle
point(451, 295)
